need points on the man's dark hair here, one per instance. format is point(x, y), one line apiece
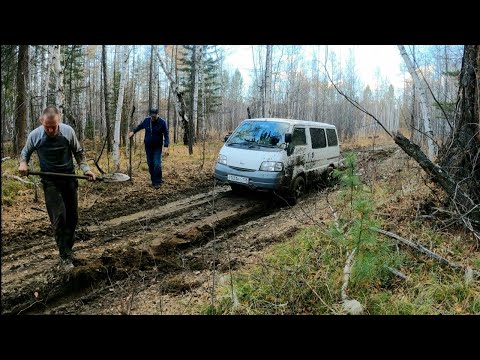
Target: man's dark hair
point(153, 111)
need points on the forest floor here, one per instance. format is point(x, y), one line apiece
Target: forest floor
point(167, 251)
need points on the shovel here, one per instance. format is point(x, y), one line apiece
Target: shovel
point(115, 177)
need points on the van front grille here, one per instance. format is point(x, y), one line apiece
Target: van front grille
point(241, 169)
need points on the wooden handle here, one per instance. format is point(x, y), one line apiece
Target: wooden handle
point(59, 174)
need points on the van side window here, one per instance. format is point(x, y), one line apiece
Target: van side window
point(318, 138)
point(299, 137)
point(332, 137)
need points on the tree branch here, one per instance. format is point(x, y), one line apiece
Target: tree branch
point(423, 250)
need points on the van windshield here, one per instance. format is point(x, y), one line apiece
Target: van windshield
point(259, 133)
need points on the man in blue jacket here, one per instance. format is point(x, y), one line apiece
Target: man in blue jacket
point(156, 136)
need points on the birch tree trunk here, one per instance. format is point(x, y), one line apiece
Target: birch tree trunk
point(150, 81)
point(59, 95)
point(19, 131)
point(28, 89)
point(118, 116)
point(423, 101)
point(36, 82)
point(169, 97)
point(268, 83)
point(175, 114)
point(105, 95)
point(194, 97)
point(202, 119)
point(46, 78)
point(83, 99)
point(157, 74)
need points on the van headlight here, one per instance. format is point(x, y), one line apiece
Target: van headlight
point(271, 166)
point(222, 159)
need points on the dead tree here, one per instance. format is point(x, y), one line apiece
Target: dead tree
point(458, 172)
point(178, 102)
point(105, 91)
point(19, 135)
point(460, 156)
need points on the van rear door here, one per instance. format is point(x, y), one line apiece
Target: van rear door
point(333, 150)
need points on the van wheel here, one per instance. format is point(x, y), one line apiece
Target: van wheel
point(298, 190)
point(328, 176)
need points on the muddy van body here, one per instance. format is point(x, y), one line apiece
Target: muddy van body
point(281, 155)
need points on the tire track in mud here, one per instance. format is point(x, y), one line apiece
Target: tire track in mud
point(165, 243)
point(107, 230)
point(191, 267)
point(147, 239)
point(25, 236)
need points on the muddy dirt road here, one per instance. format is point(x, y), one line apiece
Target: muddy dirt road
point(145, 253)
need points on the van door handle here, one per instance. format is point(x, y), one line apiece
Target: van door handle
point(312, 154)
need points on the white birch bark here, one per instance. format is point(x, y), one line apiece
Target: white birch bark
point(268, 82)
point(83, 98)
point(118, 116)
point(195, 73)
point(46, 78)
point(59, 95)
point(36, 80)
point(423, 101)
point(28, 90)
point(202, 86)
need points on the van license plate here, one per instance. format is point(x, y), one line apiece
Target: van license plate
point(239, 179)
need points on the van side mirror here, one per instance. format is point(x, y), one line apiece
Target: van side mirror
point(288, 138)
point(226, 137)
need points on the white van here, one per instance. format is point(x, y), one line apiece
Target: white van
point(278, 154)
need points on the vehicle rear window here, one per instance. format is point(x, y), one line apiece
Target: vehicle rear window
point(332, 137)
point(318, 138)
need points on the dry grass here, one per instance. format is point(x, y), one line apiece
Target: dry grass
point(178, 156)
point(361, 142)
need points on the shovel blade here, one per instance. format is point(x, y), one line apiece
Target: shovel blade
point(115, 177)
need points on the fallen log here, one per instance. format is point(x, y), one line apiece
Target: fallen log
point(425, 251)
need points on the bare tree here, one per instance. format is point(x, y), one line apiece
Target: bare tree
point(178, 100)
point(150, 80)
point(459, 173)
point(46, 76)
point(418, 83)
point(268, 83)
point(19, 135)
point(118, 116)
point(194, 96)
point(460, 156)
point(83, 99)
point(105, 91)
point(59, 95)
point(197, 61)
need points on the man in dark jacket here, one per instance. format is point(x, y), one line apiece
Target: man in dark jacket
point(156, 136)
point(55, 143)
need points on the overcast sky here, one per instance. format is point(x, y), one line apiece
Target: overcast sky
point(368, 59)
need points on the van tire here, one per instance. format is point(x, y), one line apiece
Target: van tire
point(328, 176)
point(298, 190)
